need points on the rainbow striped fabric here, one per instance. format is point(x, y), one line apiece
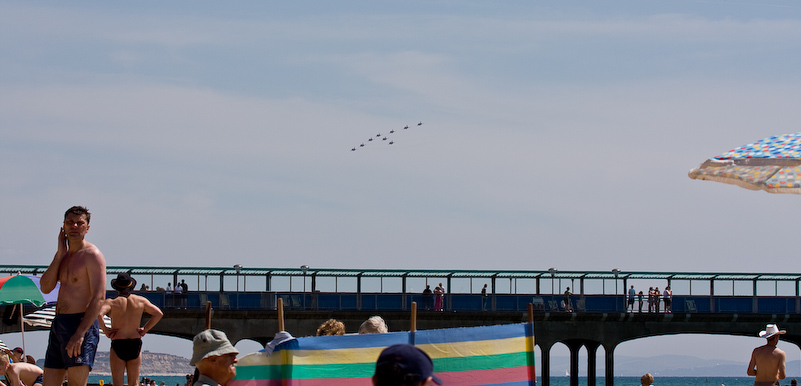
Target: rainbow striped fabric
point(492, 355)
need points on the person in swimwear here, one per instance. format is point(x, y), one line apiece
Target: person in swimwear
point(81, 269)
point(20, 374)
point(126, 312)
point(768, 362)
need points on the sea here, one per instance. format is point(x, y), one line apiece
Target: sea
point(555, 381)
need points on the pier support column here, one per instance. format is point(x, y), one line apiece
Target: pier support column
point(609, 370)
point(592, 351)
point(545, 364)
point(574, 347)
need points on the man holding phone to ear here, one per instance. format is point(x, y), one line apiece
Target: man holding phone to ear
point(74, 334)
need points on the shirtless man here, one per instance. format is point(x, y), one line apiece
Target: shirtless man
point(20, 374)
point(126, 336)
point(81, 269)
point(767, 362)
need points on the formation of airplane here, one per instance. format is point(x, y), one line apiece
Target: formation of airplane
point(383, 137)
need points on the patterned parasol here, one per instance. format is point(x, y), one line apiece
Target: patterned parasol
point(772, 164)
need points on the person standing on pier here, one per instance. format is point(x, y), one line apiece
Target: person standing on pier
point(768, 362)
point(428, 296)
point(566, 300)
point(657, 298)
point(484, 298)
point(668, 295)
point(632, 294)
point(639, 299)
point(126, 336)
point(438, 295)
point(81, 269)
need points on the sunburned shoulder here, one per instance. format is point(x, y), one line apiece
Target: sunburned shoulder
point(91, 249)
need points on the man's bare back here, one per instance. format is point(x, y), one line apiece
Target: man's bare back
point(25, 373)
point(126, 316)
point(767, 364)
point(126, 312)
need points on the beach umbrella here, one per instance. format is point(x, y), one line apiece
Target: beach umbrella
point(772, 164)
point(45, 316)
point(17, 290)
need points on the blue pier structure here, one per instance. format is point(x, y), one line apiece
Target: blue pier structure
point(245, 298)
point(307, 288)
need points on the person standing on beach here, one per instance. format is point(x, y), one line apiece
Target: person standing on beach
point(768, 362)
point(126, 336)
point(81, 269)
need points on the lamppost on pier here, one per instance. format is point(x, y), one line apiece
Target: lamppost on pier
point(238, 269)
point(304, 268)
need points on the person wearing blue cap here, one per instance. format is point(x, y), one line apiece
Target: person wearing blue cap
point(404, 365)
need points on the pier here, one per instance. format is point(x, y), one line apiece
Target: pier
point(244, 303)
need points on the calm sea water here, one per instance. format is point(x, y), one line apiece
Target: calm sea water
point(555, 381)
point(168, 381)
point(666, 381)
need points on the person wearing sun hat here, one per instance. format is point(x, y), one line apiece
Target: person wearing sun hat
point(214, 357)
point(125, 332)
point(404, 365)
point(768, 362)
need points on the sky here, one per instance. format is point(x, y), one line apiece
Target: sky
point(554, 134)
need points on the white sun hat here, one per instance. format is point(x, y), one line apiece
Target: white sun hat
point(770, 330)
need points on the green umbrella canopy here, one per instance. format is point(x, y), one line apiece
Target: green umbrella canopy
point(20, 289)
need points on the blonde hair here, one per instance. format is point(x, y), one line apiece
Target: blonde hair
point(331, 327)
point(374, 325)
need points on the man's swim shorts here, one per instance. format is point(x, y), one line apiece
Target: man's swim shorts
point(62, 329)
point(127, 349)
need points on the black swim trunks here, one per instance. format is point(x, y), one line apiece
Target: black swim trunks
point(127, 349)
point(61, 330)
point(39, 380)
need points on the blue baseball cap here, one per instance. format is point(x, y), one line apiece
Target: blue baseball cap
point(414, 364)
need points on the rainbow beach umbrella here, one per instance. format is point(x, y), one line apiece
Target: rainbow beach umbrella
point(772, 164)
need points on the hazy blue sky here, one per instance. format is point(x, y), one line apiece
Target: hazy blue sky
point(555, 134)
